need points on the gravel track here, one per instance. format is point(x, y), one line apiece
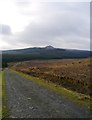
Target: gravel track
point(27, 99)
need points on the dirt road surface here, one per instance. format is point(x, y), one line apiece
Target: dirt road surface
point(27, 99)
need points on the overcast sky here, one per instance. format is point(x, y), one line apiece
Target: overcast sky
point(33, 23)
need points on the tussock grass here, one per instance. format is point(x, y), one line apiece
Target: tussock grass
point(81, 99)
point(73, 74)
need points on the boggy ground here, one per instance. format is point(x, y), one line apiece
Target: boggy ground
point(72, 74)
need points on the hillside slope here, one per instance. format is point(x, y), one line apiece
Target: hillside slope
point(47, 52)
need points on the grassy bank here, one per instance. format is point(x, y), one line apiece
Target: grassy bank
point(78, 98)
point(5, 111)
point(0, 94)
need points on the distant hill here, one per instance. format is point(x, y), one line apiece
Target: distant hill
point(48, 52)
point(49, 47)
point(34, 50)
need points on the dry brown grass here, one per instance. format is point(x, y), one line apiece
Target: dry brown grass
point(73, 74)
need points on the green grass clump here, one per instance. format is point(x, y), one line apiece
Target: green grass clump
point(81, 99)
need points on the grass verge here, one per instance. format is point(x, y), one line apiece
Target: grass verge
point(81, 99)
point(5, 110)
point(0, 94)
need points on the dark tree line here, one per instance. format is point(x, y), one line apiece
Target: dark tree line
point(56, 54)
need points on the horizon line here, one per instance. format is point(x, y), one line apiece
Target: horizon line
point(44, 47)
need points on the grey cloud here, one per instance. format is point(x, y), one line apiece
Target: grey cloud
point(5, 29)
point(59, 24)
